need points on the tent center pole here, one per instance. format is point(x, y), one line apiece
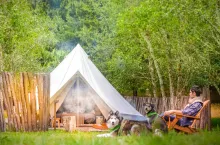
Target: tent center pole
point(55, 115)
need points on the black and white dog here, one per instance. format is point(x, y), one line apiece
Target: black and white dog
point(150, 112)
point(117, 125)
point(157, 123)
point(113, 122)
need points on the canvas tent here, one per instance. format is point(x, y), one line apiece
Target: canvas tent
point(77, 74)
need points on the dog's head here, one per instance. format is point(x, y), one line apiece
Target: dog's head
point(148, 107)
point(114, 119)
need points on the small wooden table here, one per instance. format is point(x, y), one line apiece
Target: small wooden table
point(79, 117)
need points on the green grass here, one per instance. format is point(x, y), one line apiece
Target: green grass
point(86, 138)
point(60, 137)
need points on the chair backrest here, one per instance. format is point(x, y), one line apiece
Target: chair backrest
point(205, 103)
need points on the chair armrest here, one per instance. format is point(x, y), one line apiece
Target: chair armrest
point(180, 115)
point(193, 117)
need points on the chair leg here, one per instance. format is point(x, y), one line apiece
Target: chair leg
point(193, 130)
point(172, 124)
point(184, 129)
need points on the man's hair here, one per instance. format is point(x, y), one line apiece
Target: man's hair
point(196, 89)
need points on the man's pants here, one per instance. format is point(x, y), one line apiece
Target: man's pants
point(172, 117)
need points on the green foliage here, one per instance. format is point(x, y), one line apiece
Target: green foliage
point(178, 32)
point(26, 39)
point(36, 35)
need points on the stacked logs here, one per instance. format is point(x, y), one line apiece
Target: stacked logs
point(25, 105)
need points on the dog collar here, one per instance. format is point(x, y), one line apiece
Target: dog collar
point(152, 113)
point(115, 128)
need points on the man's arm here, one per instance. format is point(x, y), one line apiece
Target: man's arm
point(173, 112)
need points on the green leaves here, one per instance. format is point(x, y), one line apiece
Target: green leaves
point(26, 37)
point(36, 35)
point(175, 30)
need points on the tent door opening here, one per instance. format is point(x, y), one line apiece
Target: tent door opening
point(80, 102)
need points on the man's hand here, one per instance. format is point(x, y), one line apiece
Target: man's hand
point(166, 113)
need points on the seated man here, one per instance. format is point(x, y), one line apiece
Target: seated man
point(191, 109)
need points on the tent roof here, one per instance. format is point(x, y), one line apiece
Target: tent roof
point(77, 61)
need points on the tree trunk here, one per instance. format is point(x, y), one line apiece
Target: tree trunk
point(1, 60)
point(217, 88)
point(178, 92)
point(156, 65)
point(135, 92)
point(172, 103)
point(153, 82)
point(170, 69)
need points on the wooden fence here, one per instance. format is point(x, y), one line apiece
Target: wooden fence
point(163, 104)
point(24, 102)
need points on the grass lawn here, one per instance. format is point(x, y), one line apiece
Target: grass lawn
point(85, 138)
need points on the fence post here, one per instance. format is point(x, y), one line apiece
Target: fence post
point(205, 122)
point(2, 119)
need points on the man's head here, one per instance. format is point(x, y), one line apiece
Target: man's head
point(195, 91)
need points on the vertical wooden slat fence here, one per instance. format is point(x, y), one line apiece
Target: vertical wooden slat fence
point(163, 104)
point(2, 122)
point(24, 102)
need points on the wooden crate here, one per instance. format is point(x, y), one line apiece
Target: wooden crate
point(79, 118)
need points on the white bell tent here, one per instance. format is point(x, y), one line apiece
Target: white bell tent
point(77, 76)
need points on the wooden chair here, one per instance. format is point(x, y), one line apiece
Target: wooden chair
point(186, 129)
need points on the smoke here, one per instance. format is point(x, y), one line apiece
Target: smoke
point(79, 99)
point(78, 104)
point(68, 45)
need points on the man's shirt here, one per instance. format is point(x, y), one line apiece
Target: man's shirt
point(190, 110)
